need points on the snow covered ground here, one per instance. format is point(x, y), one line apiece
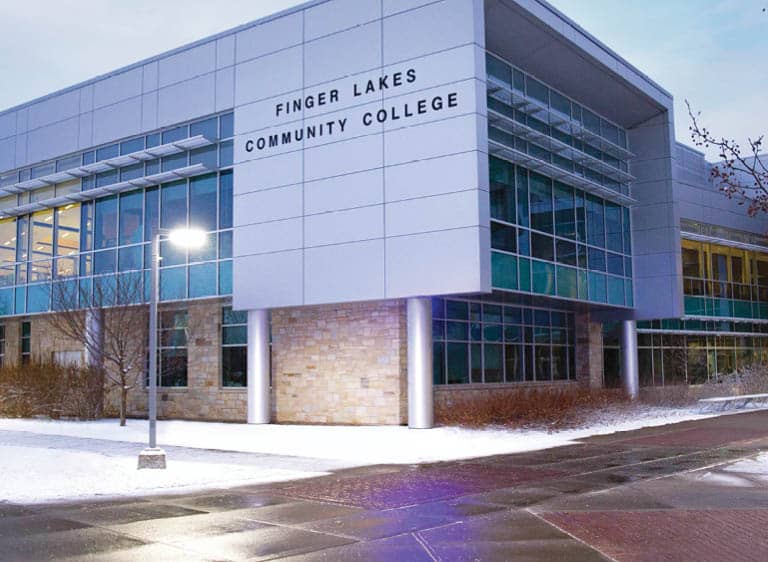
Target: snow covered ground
point(44, 460)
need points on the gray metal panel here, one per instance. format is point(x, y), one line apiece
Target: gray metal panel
point(356, 246)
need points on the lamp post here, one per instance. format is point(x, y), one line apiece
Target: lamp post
point(153, 456)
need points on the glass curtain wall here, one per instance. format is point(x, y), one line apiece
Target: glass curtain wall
point(96, 244)
point(481, 342)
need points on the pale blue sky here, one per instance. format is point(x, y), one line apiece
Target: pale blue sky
point(712, 52)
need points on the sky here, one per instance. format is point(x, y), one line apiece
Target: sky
point(711, 52)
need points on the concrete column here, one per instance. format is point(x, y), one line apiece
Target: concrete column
point(259, 411)
point(420, 392)
point(629, 371)
point(95, 337)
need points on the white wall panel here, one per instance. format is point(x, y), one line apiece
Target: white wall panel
point(117, 121)
point(343, 273)
point(116, 88)
point(187, 64)
point(268, 280)
point(270, 75)
point(187, 100)
point(331, 17)
point(268, 205)
point(270, 36)
point(339, 227)
point(344, 192)
point(344, 53)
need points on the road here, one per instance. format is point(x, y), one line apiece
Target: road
point(666, 493)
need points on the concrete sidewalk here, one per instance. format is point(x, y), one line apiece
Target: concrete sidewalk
point(663, 493)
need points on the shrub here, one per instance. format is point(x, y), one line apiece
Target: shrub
point(50, 389)
point(551, 407)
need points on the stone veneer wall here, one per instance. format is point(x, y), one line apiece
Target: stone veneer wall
point(341, 363)
point(204, 398)
point(589, 351)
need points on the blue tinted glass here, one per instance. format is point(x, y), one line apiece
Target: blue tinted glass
point(107, 178)
point(174, 162)
point(171, 254)
point(86, 286)
point(227, 126)
point(175, 134)
point(105, 290)
point(173, 283)
point(6, 302)
point(207, 128)
point(132, 172)
point(207, 251)
point(596, 259)
point(151, 211)
point(86, 226)
point(226, 154)
point(105, 233)
point(615, 264)
point(131, 217)
point(104, 262)
point(597, 289)
point(225, 244)
point(174, 205)
point(152, 167)
point(225, 199)
point(207, 156)
point(225, 278)
point(202, 280)
point(107, 152)
point(39, 298)
point(615, 290)
point(21, 300)
point(153, 140)
point(89, 158)
point(88, 182)
point(131, 146)
point(130, 258)
point(86, 261)
point(202, 202)
point(130, 288)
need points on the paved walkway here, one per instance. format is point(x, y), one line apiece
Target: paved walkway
point(658, 494)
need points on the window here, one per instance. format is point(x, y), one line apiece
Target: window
point(26, 342)
point(172, 363)
point(2, 345)
point(234, 351)
point(491, 343)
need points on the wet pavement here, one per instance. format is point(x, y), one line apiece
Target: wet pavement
point(658, 494)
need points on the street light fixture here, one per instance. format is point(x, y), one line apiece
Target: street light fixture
point(153, 456)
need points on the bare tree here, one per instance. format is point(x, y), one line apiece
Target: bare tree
point(741, 174)
point(111, 323)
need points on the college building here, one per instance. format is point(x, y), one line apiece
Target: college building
point(404, 200)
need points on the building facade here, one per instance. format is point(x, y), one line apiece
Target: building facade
point(403, 200)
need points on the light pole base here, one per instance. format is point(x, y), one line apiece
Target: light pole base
point(152, 458)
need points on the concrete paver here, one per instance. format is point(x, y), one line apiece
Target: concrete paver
point(654, 494)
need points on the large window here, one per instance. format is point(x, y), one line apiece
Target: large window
point(674, 352)
point(110, 236)
point(234, 351)
point(481, 342)
point(724, 281)
point(173, 348)
point(26, 342)
point(553, 239)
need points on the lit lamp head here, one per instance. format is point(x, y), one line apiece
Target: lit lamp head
point(187, 237)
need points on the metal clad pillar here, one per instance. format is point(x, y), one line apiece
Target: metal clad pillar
point(420, 397)
point(94, 337)
point(259, 411)
point(629, 369)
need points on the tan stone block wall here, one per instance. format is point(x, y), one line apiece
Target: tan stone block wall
point(342, 363)
point(204, 398)
point(589, 351)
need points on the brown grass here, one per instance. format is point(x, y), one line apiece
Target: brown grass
point(551, 408)
point(50, 389)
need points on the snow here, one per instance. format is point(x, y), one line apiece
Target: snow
point(32, 475)
point(747, 473)
point(69, 459)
